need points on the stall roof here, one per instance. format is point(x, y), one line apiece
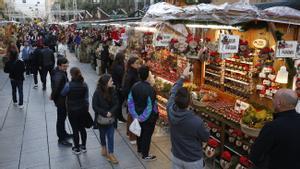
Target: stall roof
point(228, 14)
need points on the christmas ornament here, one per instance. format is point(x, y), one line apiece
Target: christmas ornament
point(212, 148)
point(225, 160)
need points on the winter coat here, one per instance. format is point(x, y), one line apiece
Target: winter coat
point(117, 75)
point(102, 106)
point(15, 69)
point(277, 145)
point(48, 58)
point(131, 77)
point(58, 81)
point(77, 94)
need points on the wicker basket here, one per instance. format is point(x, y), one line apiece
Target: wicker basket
point(254, 132)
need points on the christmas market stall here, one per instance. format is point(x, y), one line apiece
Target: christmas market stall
point(241, 56)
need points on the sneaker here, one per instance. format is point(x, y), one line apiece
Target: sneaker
point(76, 150)
point(21, 106)
point(65, 143)
point(149, 158)
point(15, 103)
point(35, 86)
point(103, 151)
point(120, 122)
point(83, 148)
point(133, 142)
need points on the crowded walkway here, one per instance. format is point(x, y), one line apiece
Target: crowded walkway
point(29, 141)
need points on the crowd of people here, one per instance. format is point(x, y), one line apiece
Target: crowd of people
point(43, 51)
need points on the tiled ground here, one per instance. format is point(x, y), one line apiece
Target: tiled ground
point(28, 138)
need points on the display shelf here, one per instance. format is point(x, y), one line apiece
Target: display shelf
point(236, 71)
point(214, 74)
point(239, 89)
point(235, 80)
point(235, 151)
point(244, 62)
point(214, 66)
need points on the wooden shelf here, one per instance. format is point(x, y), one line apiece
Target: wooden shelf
point(238, 81)
point(244, 62)
point(236, 71)
point(214, 74)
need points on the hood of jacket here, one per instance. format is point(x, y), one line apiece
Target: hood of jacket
point(177, 115)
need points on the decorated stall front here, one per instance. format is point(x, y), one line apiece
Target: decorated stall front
point(241, 57)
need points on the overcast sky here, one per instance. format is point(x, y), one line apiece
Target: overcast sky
point(25, 7)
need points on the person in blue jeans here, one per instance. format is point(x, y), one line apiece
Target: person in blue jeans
point(16, 69)
point(105, 103)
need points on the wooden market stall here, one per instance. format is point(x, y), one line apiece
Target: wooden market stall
point(240, 58)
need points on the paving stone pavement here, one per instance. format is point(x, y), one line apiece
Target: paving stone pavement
point(28, 137)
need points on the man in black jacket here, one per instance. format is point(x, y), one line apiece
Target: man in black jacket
point(187, 129)
point(142, 105)
point(277, 146)
point(58, 81)
point(47, 63)
point(36, 57)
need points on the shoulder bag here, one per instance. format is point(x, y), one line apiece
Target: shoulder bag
point(105, 120)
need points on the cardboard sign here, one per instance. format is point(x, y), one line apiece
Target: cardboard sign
point(260, 43)
point(286, 49)
point(241, 106)
point(228, 43)
point(162, 40)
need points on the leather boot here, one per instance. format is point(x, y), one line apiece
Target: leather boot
point(111, 158)
point(103, 151)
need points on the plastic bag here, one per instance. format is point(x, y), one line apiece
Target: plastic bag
point(135, 127)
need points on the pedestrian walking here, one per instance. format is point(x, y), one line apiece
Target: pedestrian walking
point(58, 81)
point(105, 59)
point(62, 49)
point(47, 63)
point(131, 77)
point(277, 145)
point(142, 105)
point(118, 71)
point(77, 94)
point(187, 129)
point(35, 64)
point(26, 56)
point(105, 104)
point(16, 69)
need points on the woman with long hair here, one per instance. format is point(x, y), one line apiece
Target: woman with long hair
point(118, 70)
point(16, 68)
point(131, 77)
point(77, 102)
point(105, 104)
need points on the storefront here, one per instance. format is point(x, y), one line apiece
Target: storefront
point(241, 57)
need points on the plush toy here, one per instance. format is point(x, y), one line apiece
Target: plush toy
point(244, 163)
point(212, 148)
point(225, 160)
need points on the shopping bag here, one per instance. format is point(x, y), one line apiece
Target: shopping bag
point(135, 127)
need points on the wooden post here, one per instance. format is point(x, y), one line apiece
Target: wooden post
point(272, 29)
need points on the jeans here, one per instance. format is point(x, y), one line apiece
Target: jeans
point(17, 84)
point(77, 127)
point(180, 164)
point(144, 141)
point(45, 71)
point(35, 72)
point(27, 66)
point(60, 123)
point(107, 132)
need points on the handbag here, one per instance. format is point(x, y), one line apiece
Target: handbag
point(105, 120)
point(88, 121)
